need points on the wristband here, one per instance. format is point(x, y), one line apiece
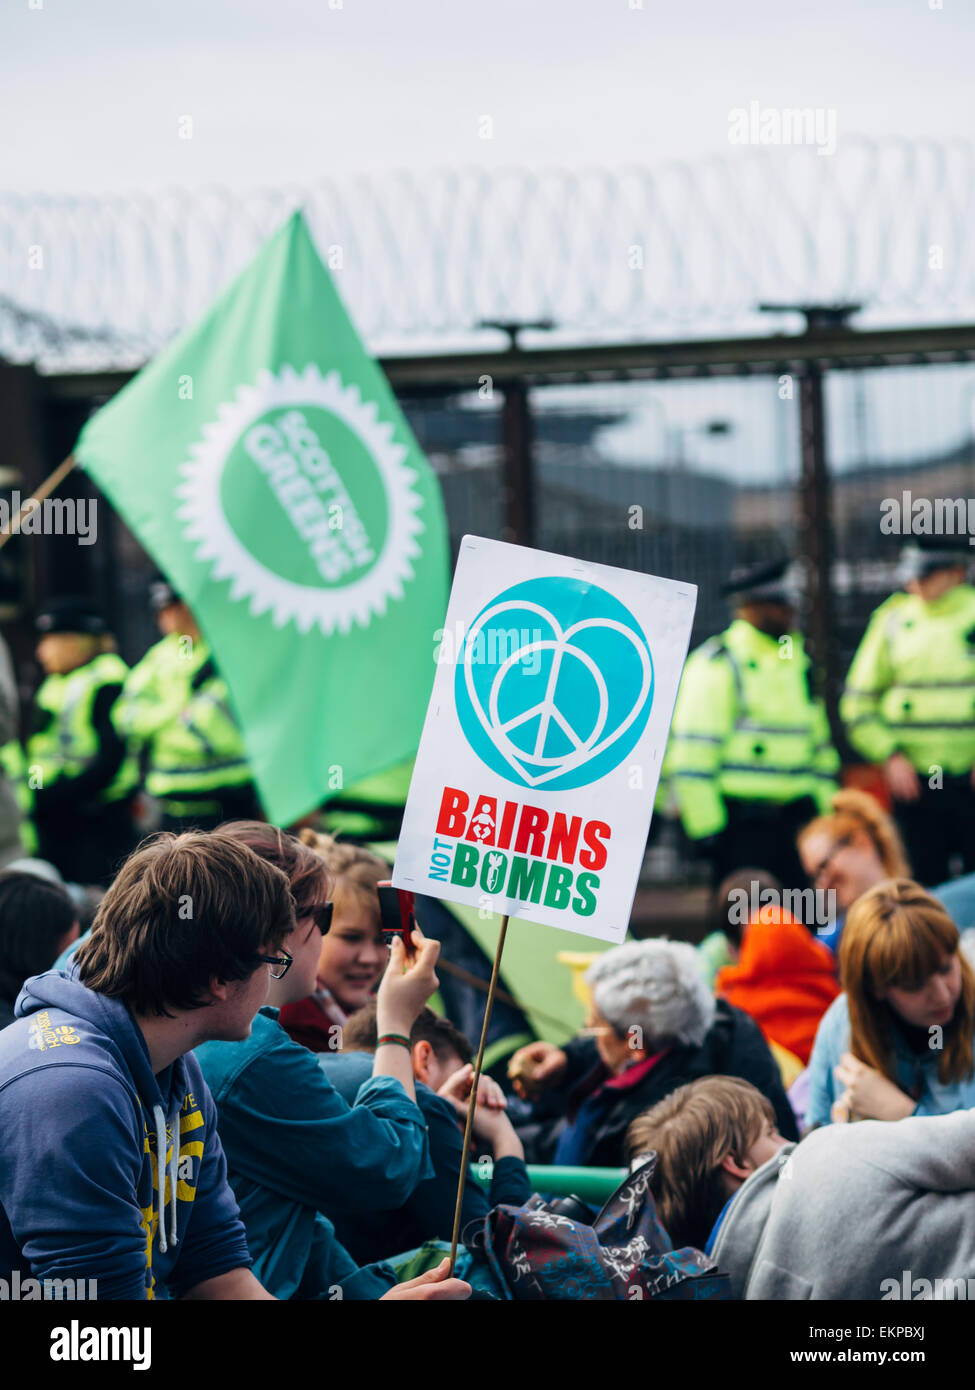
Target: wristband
point(398, 1038)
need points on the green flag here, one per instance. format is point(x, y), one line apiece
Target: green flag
point(264, 463)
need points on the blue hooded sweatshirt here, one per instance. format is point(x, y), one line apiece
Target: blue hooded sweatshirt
point(84, 1122)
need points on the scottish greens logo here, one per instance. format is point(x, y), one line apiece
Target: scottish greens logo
point(334, 536)
point(564, 708)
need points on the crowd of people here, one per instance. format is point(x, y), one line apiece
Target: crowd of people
point(212, 1096)
point(218, 1080)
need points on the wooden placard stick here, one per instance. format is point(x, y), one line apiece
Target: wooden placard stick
point(472, 1101)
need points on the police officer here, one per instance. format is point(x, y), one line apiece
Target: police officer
point(82, 775)
point(175, 710)
point(750, 758)
point(909, 705)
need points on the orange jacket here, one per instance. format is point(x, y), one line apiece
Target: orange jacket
point(784, 978)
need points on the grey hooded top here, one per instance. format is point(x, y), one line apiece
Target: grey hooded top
point(871, 1210)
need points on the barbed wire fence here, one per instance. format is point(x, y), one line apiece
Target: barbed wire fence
point(421, 259)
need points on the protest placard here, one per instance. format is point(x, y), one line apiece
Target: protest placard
point(543, 742)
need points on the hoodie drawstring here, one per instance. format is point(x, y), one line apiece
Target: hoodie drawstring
point(160, 1118)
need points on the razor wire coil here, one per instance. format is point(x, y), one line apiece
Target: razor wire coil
point(421, 259)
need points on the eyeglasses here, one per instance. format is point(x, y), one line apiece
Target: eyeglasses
point(280, 965)
point(320, 913)
point(821, 868)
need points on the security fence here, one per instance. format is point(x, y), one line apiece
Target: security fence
point(421, 259)
point(679, 459)
point(613, 434)
point(734, 460)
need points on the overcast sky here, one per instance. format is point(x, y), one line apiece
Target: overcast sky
point(92, 92)
point(95, 95)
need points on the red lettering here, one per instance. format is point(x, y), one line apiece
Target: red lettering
point(452, 808)
point(531, 827)
point(564, 839)
point(507, 824)
point(595, 856)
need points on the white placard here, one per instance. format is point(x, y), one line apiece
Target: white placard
point(541, 750)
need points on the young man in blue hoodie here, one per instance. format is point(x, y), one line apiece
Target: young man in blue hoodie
point(111, 1169)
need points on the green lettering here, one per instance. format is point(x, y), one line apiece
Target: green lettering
point(526, 879)
point(464, 871)
point(557, 888)
point(585, 904)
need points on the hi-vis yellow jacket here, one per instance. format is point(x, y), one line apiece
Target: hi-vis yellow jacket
point(66, 743)
point(176, 707)
point(911, 687)
point(747, 727)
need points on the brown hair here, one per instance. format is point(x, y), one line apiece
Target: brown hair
point(897, 934)
point(359, 1033)
point(184, 910)
point(351, 865)
point(855, 812)
point(35, 918)
point(307, 875)
point(692, 1131)
point(751, 883)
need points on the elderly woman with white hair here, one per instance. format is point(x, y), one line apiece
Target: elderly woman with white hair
point(653, 1026)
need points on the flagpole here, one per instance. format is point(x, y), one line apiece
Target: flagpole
point(465, 1155)
point(45, 490)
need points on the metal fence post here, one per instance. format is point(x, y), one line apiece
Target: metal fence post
point(517, 438)
point(814, 498)
point(518, 465)
point(815, 528)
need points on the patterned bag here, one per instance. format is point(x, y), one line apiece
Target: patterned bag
point(535, 1254)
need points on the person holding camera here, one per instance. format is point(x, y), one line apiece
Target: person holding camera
point(101, 1092)
point(296, 1150)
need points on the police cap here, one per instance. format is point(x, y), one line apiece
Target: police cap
point(161, 593)
point(773, 581)
point(923, 555)
point(71, 613)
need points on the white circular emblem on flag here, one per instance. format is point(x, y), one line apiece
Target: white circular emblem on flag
point(300, 496)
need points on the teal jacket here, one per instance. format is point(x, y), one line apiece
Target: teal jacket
point(917, 1076)
point(297, 1151)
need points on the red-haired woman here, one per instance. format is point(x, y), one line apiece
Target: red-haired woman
point(898, 1042)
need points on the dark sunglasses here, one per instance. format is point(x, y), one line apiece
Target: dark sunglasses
point(320, 913)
